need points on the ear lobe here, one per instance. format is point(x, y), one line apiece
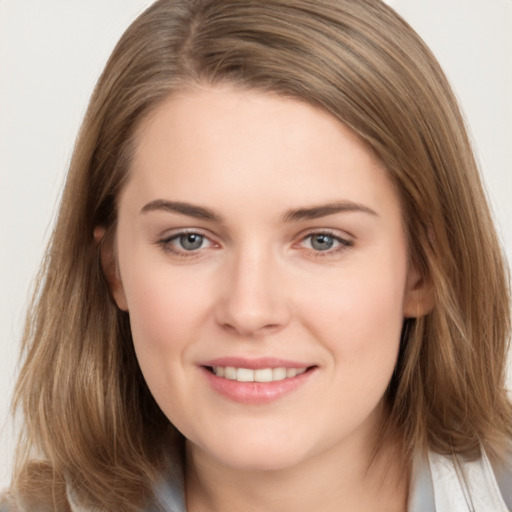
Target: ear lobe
point(109, 267)
point(419, 295)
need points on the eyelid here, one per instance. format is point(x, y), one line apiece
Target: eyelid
point(174, 233)
point(338, 234)
point(165, 242)
point(345, 242)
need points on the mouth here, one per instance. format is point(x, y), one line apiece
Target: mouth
point(269, 374)
point(256, 382)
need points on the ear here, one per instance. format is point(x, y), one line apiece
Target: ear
point(109, 267)
point(419, 294)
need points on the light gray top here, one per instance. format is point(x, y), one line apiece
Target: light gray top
point(452, 484)
point(438, 484)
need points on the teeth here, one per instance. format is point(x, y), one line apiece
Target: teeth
point(291, 372)
point(260, 375)
point(244, 375)
point(230, 373)
point(263, 375)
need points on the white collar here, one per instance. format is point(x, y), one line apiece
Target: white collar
point(453, 484)
point(439, 484)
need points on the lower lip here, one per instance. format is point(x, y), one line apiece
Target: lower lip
point(256, 393)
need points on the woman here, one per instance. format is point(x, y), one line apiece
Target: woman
point(274, 282)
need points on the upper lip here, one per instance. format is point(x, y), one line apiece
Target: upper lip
point(255, 364)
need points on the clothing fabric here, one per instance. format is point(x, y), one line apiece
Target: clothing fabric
point(452, 484)
point(438, 484)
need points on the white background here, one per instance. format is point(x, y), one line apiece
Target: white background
point(51, 53)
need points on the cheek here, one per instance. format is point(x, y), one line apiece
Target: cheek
point(165, 307)
point(166, 318)
point(358, 315)
point(164, 312)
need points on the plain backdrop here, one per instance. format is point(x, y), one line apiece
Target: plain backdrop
point(51, 54)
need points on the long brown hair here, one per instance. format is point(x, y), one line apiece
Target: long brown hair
point(89, 418)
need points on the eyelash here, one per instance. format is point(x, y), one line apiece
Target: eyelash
point(344, 243)
point(167, 245)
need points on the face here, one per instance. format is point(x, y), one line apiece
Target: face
point(262, 258)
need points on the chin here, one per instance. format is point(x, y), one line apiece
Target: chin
point(258, 454)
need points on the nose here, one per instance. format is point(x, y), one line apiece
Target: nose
point(253, 301)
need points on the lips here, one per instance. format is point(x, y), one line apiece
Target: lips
point(255, 381)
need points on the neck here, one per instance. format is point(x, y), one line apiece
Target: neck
point(337, 480)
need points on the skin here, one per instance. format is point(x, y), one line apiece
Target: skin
point(258, 287)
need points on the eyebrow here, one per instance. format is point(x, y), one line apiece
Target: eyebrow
point(309, 213)
point(316, 212)
point(198, 212)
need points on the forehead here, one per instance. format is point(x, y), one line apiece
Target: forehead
point(205, 142)
point(224, 112)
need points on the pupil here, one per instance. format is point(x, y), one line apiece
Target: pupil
point(322, 242)
point(191, 241)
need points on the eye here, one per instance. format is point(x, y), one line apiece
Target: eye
point(322, 242)
point(190, 241)
point(325, 242)
point(185, 243)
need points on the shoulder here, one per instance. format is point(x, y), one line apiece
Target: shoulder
point(460, 485)
point(7, 504)
point(170, 492)
point(504, 479)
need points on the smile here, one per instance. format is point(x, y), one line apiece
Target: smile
point(258, 375)
point(256, 381)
